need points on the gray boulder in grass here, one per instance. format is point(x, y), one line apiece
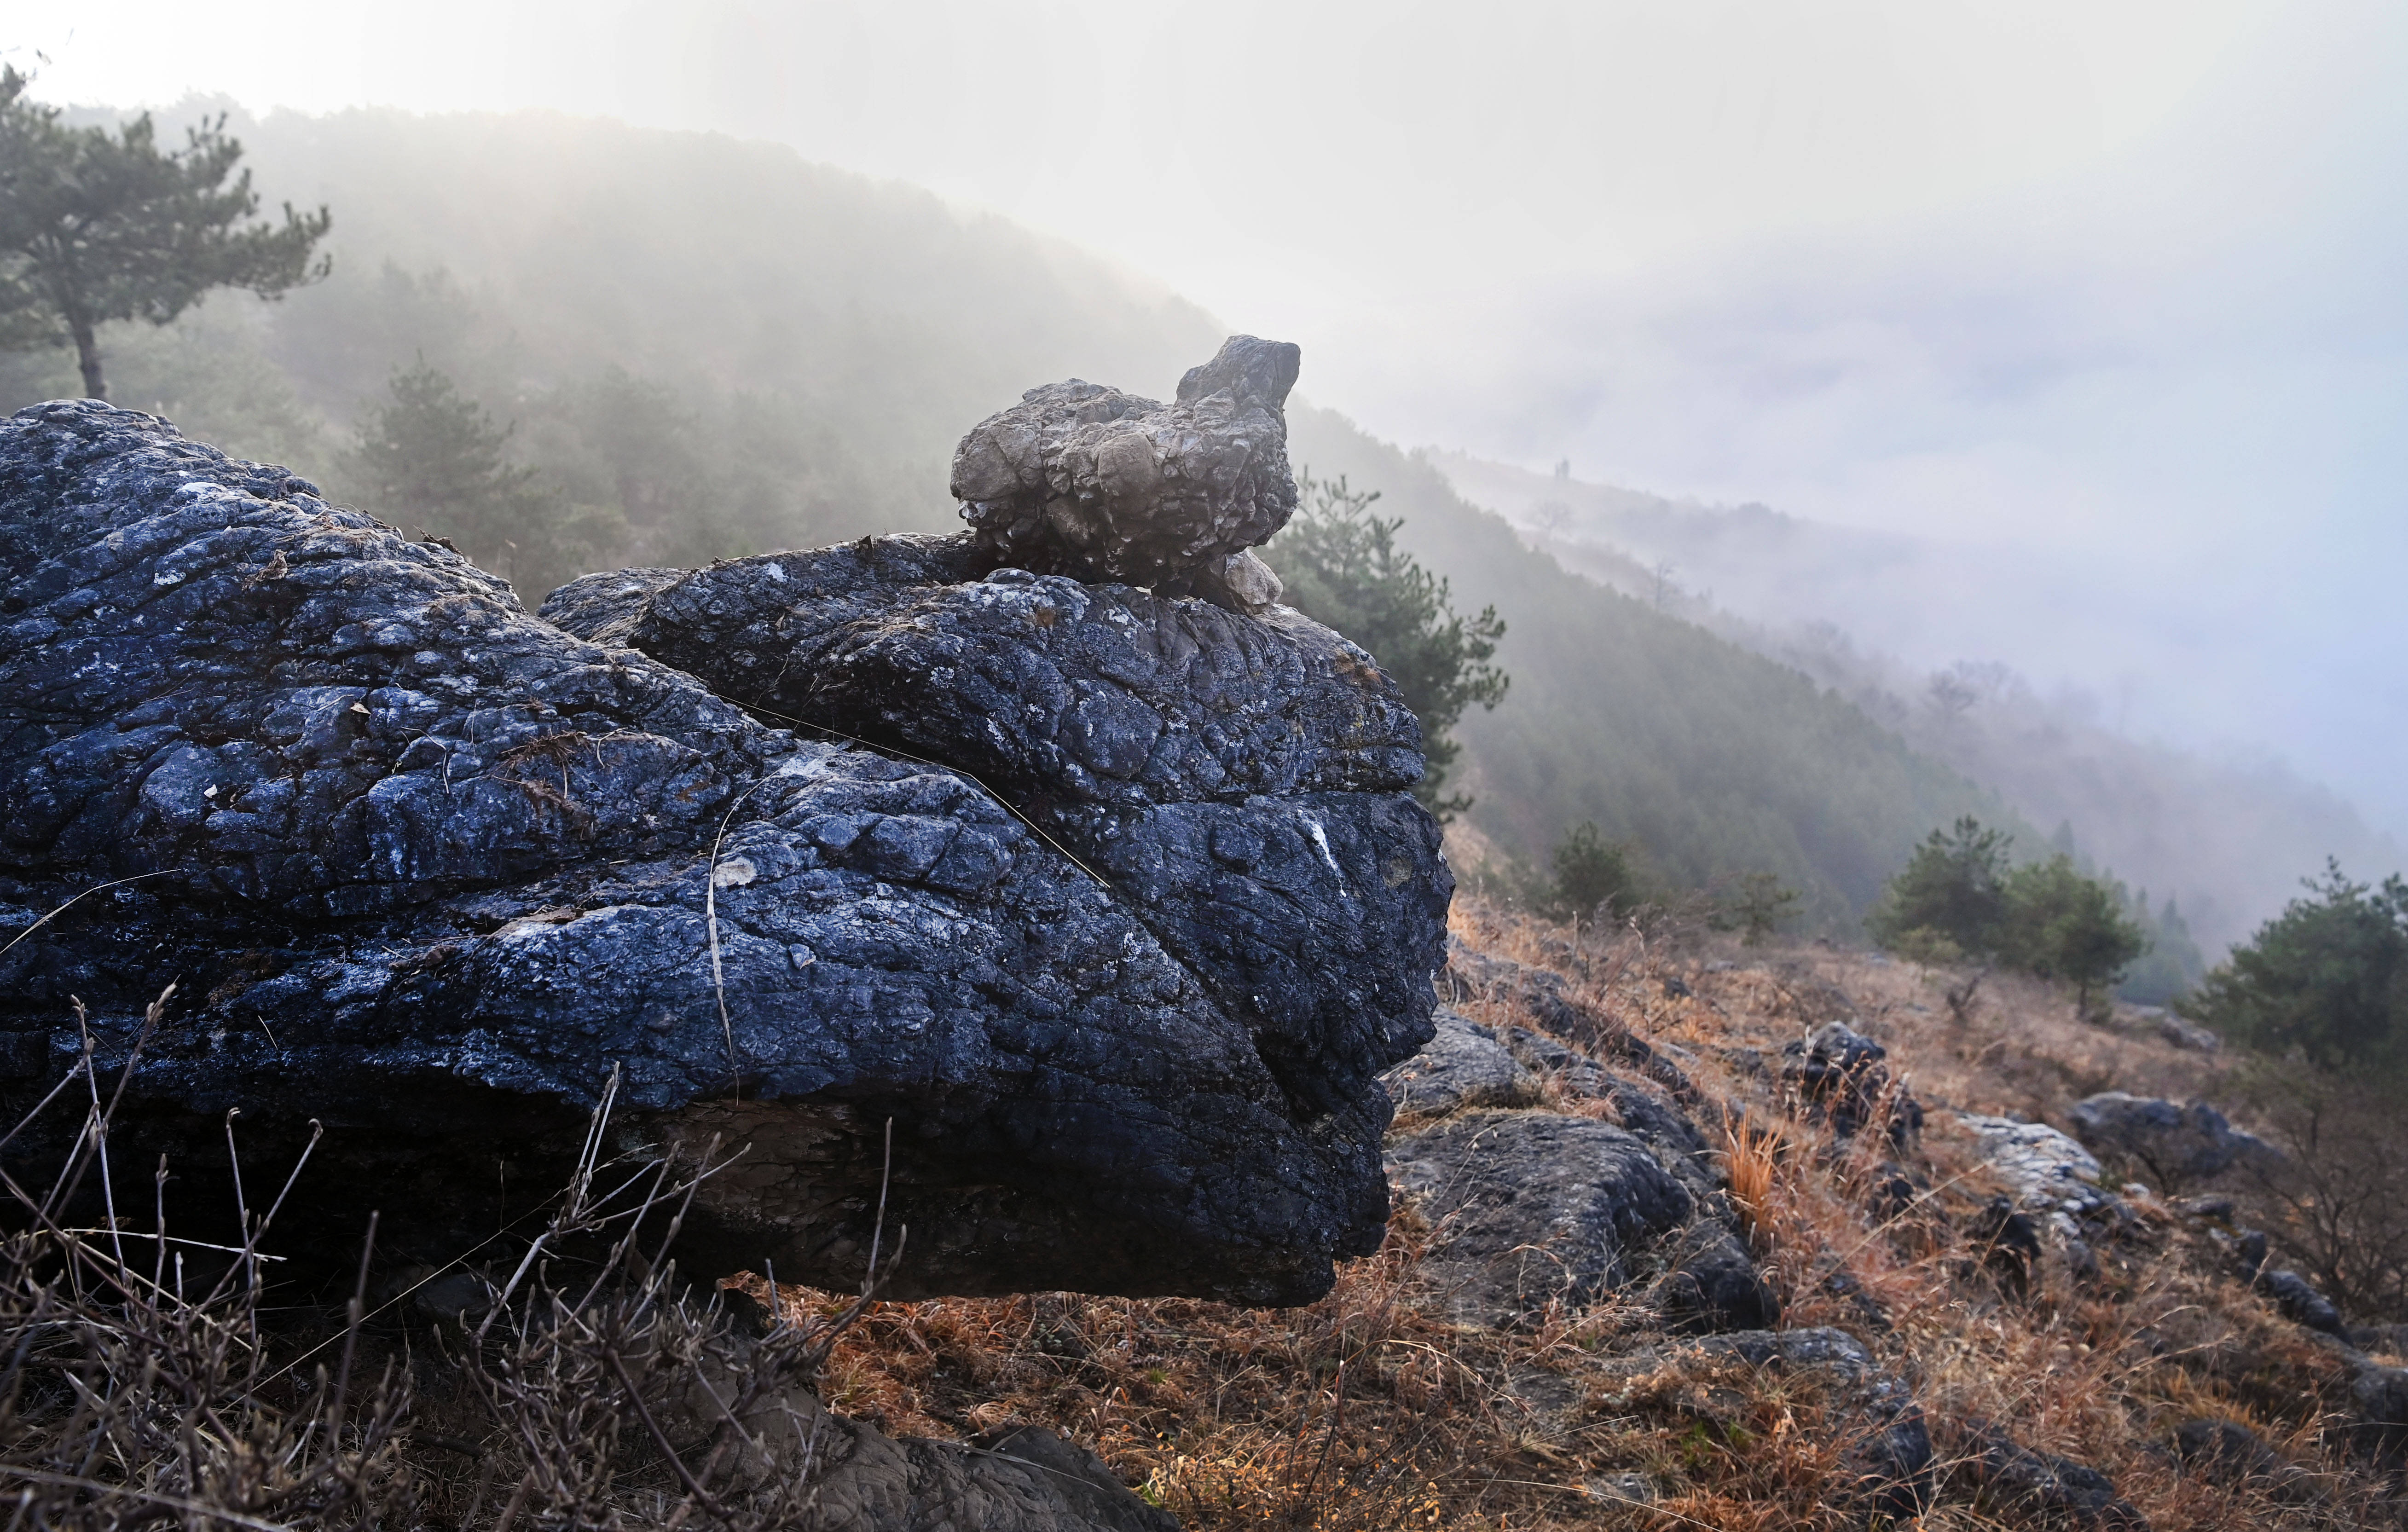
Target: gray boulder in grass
point(1531, 1209)
point(2176, 1143)
point(430, 869)
point(1463, 1066)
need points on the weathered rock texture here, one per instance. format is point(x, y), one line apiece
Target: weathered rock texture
point(1086, 481)
point(1839, 1074)
point(1243, 785)
point(2050, 1174)
point(2175, 1143)
point(2041, 1489)
point(1119, 948)
point(1537, 1209)
point(1463, 1066)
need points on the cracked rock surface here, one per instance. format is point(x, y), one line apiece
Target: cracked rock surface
point(1117, 932)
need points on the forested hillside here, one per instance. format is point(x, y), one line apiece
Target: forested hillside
point(1715, 762)
point(706, 346)
point(2226, 839)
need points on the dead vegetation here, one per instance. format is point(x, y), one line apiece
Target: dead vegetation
point(1368, 1411)
point(148, 1383)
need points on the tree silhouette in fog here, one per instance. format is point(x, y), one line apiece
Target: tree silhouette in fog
point(432, 459)
point(1343, 567)
point(98, 226)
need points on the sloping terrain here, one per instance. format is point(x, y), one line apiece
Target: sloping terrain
point(681, 325)
point(1923, 637)
point(1715, 761)
point(2111, 1366)
point(711, 348)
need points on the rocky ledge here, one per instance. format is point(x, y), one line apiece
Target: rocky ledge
point(1080, 919)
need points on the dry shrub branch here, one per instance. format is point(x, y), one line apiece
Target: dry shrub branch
point(142, 1388)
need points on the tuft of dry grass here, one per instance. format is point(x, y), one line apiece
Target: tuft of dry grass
point(143, 1388)
point(1751, 1162)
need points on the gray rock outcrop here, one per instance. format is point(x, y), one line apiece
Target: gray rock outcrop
point(2298, 1300)
point(2176, 1143)
point(1711, 1284)
point(1464, 1065)
point(1536, 1209)
point(1637, 1203)
point(1840, 1075)
point(1086, 481)
point(430, 870)
point(2048, 1173)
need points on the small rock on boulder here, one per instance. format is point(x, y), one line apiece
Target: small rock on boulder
point(1086, 481)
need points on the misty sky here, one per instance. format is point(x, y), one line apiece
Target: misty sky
point(2123, 283)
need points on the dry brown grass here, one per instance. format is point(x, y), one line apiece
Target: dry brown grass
point(142, 1387)
point(1368, 1411)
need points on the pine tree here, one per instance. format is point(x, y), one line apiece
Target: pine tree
point(2327, 977)
point(1343, 567)
point(98, 226)
point(2060, 924)
point(1952, 890)
point(432, 459)
point(1592, 873)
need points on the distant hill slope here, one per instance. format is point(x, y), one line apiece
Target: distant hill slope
point(725, 348)
point(1861, 612)
point(1715, 760)
point(646, 304)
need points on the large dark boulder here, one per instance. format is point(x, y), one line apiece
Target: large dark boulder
point(430, 870)
point(1243, 784)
